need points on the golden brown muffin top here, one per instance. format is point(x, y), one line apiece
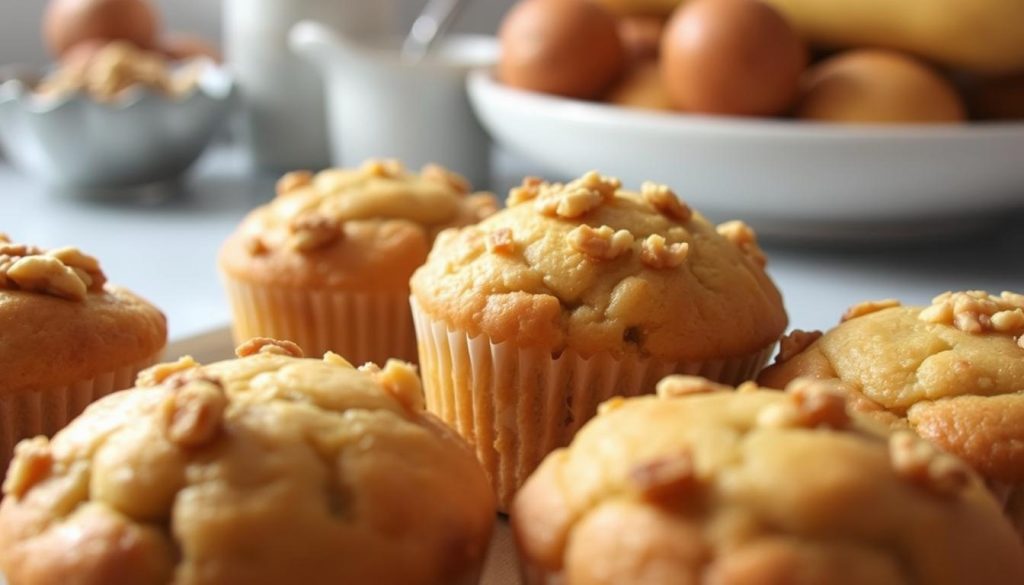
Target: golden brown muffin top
point(954, 370)
point(701, 484)
point(266, 469)
point(62, 323)
point(369, 227)
point(593, 267)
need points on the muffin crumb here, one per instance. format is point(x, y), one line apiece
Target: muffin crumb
point(602, 243)
point(157, 374)
point(743, 237)
point(193, 413)
point(500, 241)
point(32, 463)
point(918, 461)
point(679, 385)
point(868, 307)
point(662, 198)
point(658, 255)
point(665, 480)
point(795, 342)
point(258, 345)
point(290, 182)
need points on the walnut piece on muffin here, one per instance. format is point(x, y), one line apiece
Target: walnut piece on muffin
point(705, 485)
point(269, 468)
point(952, 371)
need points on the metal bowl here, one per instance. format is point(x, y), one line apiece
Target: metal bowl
point(85, 147)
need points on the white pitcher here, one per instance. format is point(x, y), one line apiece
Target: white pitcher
point(380, 105)
point(283, 97)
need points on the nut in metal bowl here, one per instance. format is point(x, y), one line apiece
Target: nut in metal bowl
point(85, 147)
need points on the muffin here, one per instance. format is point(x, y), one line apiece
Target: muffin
point(705, 485)
point(575, 293)
point(67, 339)
point(953, 372)
point(267, 469)
point(327, 263)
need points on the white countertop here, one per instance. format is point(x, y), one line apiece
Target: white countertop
point(165, 249)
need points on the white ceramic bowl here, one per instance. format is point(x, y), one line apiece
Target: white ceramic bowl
point(83, 147)
point(788, 178)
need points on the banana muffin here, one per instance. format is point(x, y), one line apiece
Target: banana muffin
point(702, 484)
point(266, 469)
point(953, 372)
point(66, 338)
point(327, 263)
point(575, 293)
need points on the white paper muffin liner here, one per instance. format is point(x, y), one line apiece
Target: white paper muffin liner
point(359, 326)
point(44, 411)
point(516, 405)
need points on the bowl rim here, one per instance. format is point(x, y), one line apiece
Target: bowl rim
point(483, 85)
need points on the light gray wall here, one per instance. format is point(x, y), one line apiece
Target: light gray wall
point(20, 40)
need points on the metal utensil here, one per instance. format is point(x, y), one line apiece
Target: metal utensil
point(432, 23)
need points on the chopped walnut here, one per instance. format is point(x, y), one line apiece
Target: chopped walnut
point(31, 464)
point(657, 254)
point(680, 385)
point(156, 375)
point(399, 380)
point(576, 198)
point(819, 404)
point(602, 243)
point(258, 345)
point(255, 245)
point(312, 231)
point(116, 68)
point(794, 343)
point(48, 275)
point(868, 307)
point(920, 462)
point(527, 191)
point(193, 414)
point(666, 201)
point(979, 312)
point(63, 272)
point(437, 173)
point(385, 169)
point(336, 360)
point(665, 480)
point(743, 237)
point(292, 181)
point(500, 242)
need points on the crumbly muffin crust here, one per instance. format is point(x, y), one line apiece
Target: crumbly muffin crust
point(265, 469)
point(952, 371)
point(368, 227)
point(590, 266)
point(62, 323)
point(705, 485)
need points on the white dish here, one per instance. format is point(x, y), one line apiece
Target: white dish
point(788, 178)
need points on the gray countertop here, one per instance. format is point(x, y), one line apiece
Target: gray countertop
point(164, 247)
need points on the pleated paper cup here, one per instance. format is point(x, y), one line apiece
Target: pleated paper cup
point(44, 411)
point(515, 405)
point(359, 326)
